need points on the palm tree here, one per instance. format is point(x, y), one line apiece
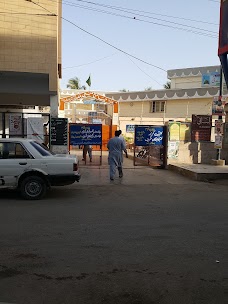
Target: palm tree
point(124, 90)
point(148, 89)
point(74, 84)
point(167, 85)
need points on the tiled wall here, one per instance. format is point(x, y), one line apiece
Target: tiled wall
point(29, 43)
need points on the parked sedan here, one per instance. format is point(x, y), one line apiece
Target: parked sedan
point(31, 168)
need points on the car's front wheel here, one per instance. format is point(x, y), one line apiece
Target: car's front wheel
point(33, 187)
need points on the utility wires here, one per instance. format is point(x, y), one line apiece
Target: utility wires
point(102, 40)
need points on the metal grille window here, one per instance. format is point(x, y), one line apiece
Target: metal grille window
point(157, 106)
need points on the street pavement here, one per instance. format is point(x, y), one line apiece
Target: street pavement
point(151, 237)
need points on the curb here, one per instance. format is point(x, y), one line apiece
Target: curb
point(203, 177)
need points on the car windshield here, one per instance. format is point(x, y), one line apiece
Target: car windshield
point(41, 148)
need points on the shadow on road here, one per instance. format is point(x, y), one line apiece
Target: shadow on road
point(54, 194)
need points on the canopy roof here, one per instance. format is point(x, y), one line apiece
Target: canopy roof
point(86, 95)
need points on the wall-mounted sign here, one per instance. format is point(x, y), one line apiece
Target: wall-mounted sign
point(90, 102)
point(219, 127)
point(218, 142)
point(201, 128)
point(149, 135)
point(218, 106)
point(174, 131)
point(59, 131)
point(211, 79)
point(130, 128)
point(15, 124)
point(35, 128)
point(85, 134)
point(173, 149)
point(97, 121)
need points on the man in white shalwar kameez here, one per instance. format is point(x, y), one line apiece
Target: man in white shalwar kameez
point(116, 147)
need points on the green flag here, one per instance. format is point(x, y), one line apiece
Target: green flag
point(88, 81)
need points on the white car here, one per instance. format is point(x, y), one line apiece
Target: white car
point(31, 168)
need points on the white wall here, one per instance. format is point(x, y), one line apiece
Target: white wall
point(139, 112)
point(186, 82)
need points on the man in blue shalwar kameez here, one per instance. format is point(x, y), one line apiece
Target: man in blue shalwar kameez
point(116, 147)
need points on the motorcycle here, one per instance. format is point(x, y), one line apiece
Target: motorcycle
point(144, 153)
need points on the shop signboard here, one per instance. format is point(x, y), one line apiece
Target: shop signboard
point(201, 128)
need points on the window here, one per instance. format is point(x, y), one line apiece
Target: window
point(41, 148)
point(158, 106)
point(163, 106)
point(12, 151)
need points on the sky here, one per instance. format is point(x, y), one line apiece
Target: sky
point(134, 28)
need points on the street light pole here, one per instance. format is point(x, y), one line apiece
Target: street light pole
point(220, 117)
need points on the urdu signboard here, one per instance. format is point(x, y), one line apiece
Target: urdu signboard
point(85, 134)
point(223, 38)
point(149, 135)
point(201, 128)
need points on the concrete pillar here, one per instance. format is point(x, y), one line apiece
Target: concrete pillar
point(54, 105)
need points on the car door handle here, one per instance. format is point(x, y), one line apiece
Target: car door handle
point(22, 164)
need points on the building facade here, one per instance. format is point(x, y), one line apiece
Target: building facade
point(192, 92)
point(30, 53)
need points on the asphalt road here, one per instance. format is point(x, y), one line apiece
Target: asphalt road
point(122, 243)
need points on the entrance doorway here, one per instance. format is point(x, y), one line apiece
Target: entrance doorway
point(150, 146)
point(89, 142)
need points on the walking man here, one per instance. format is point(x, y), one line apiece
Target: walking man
point(116, 147)
point(87, 148)
point(122, 138)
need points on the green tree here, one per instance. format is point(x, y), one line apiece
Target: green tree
point(75, 84)
point(167, 85)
